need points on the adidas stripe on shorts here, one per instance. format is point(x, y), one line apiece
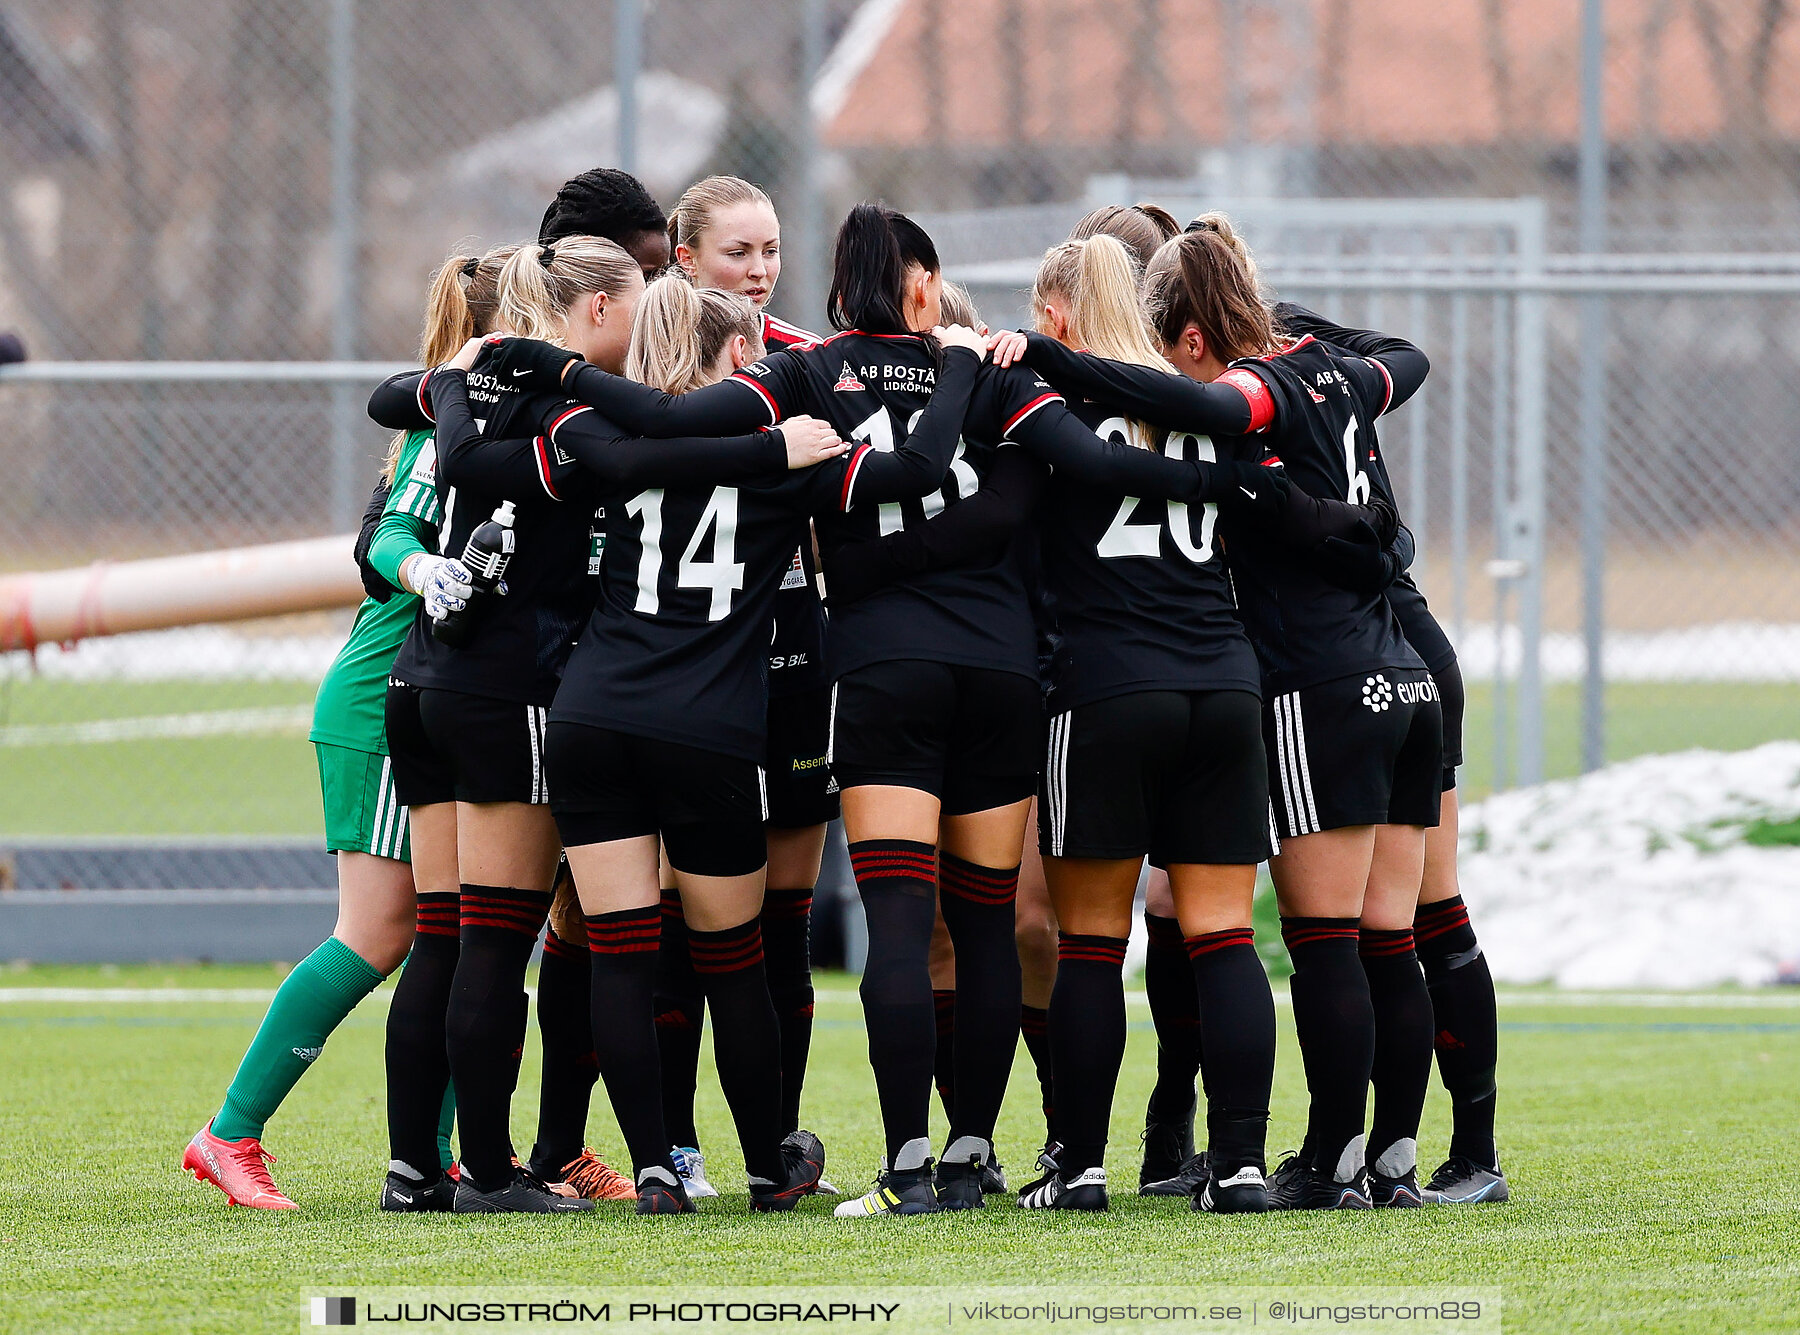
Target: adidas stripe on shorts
point(449, 746)
point(1360, 750)
point(1177, 775)
point(363, 812)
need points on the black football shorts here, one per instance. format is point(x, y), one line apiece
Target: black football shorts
point(969, 736)
point(1361, 750)
point(469, 748)
point(709, 808)
point(1426, 635)
point(802, 791)
point(1178, 775)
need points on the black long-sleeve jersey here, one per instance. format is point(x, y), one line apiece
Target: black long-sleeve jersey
point(797, 652)
point(1405, 367)
point(1322, 406)
point(1134, 591)
point(676, 646)
point(489, 451)
point(872, 388)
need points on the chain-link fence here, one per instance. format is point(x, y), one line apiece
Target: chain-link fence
point(1601, 468)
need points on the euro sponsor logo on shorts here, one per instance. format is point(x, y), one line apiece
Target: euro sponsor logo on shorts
point(1417, 692)
point(1378, 692)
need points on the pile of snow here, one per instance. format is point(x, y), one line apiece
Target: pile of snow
point(1637, 875)
point(1714, 651)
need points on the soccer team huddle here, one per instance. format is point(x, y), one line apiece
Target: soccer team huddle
point(1026, 610)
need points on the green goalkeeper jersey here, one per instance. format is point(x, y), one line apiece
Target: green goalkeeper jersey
point(351, 703)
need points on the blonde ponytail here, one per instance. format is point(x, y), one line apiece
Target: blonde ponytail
point(461, 303)
point(525, 306)
point(680, 331)
point(448, 324)
point(1097, 281)
point(539, 283)
point(664, 350)
point(1108, 309)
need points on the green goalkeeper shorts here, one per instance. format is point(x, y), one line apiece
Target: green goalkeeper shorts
point(362, 812)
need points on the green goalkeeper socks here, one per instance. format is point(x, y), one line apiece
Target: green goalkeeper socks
point(312, 1001)
point(446, 1122)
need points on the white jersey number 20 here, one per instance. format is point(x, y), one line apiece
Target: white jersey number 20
point(1124, 538)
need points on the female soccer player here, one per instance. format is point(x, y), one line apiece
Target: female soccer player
point(469, 702)
point(1155, 748)
point(1351, 717)
point(1034, 924)
point(725, 236)
point(1459, 1007)
point(936, 713)
point(613, 204)
point(627, 765)
point(392, 864)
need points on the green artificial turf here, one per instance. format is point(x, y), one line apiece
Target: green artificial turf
point(267, 784)
point(1649, 1150)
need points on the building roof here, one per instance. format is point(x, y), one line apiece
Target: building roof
point(1400, 73)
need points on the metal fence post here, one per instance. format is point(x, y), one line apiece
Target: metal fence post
point(1459, 463)
point(1417, 509)
point(809, 229)
point(343, 257)
point(1593, 390)
point(1533, 406)
point(628, 55)
point(1500, 434)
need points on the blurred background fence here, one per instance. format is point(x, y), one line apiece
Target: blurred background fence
point(1586, 212)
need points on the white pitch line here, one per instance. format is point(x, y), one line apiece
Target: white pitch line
point(1579, 1000)
point(1653, 1000)
point(214, 723)
point(136, 995)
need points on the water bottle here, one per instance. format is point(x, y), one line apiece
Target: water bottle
point(489, 549)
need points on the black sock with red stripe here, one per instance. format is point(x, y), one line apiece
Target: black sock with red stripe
point(680, 1023)
point(977, 903)
point(1237, 1045)
point(570, 1068)
point(1335, 1023)
point(943, 1067)
point(1466, 1024)
point(418, 1069)
point(746, 1039)
point(786, 925)
point(1175, 1011)
point(622, 949)
point(484, 1026)
point(1087, 1043)
point(897, 879)
point(1402, 1069)
point(1034, 1029)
